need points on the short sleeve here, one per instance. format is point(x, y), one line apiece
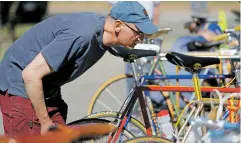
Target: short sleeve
point(62, 50)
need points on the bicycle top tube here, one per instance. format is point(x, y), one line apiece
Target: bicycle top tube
point(187, 89)
point(201, 76)
point(226, 55)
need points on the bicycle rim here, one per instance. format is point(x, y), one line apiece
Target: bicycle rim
point(110, 114)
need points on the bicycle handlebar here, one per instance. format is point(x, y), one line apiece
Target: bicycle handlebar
point(225, 35)
point(220, 37)
point(235, 29)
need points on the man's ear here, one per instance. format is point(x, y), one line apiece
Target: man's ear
point(118, 26)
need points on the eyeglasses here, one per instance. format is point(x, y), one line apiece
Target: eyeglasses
point(137, 33)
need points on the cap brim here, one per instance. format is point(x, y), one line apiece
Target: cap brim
point(147, 27)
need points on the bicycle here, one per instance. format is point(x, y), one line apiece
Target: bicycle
point(114, 114)
point(118, 115)
point(129, 78)
point(181, 57)
point(131, 103)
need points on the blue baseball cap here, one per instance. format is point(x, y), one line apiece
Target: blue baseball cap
point(213, 27)
point(133, 12)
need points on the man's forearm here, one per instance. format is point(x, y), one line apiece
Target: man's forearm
point(35, 93)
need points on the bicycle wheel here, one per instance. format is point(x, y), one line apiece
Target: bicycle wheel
point(153, 139)
point(92, 136)
point(114, 92)
point(134, 126)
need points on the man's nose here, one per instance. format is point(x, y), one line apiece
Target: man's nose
point(140, 38)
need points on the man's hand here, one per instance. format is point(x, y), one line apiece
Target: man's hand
point(45, 125)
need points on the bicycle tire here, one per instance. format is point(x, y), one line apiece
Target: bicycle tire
point(103, 86)
point(91, 136)
point(133, 120)
point(154, 139)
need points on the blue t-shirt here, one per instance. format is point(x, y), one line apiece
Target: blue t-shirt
point(70, 43)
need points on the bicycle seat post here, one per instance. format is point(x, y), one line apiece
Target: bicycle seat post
point(197, 89)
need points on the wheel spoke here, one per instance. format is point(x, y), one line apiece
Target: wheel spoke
point(114, 97)
point(103, 104)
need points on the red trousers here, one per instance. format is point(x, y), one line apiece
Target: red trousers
point(19, 117)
